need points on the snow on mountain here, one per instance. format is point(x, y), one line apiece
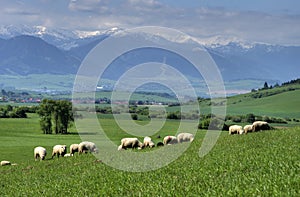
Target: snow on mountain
point(61, 38)
point(233, 56)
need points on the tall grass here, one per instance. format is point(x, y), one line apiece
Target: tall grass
point(257, 164)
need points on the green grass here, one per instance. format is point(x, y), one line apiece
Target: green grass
point(22, 135)
point(258, 164)
point(281, 105)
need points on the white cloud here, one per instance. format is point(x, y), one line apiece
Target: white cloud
point(205, 23)
point(97, 6)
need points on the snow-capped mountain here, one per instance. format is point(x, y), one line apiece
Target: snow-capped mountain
point(45, 50)
point(61, 38)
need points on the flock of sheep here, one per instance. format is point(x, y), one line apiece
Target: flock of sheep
point(255, 126)
point(61, 150)
point(168, 140)
point(40, 152)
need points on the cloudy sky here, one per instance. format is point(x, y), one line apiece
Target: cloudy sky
point(267, 21)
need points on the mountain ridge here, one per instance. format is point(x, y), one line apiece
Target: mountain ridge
point(31, 54)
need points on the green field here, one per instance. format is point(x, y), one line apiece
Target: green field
point(282, 104)
point(258, 164)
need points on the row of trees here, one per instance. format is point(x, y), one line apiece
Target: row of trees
point(9, 111)
point(56, 115)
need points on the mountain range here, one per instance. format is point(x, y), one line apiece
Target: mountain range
point(37, 50)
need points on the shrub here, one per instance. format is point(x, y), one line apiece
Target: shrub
point(134, 116)
point(250, 118)
point(174, 115)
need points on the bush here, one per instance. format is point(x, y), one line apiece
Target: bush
point(250, 118)
point(174, 115)
point(237, 119)
point(213, 123)
point(134, 116)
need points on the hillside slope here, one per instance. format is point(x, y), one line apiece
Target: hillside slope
point(281, 104)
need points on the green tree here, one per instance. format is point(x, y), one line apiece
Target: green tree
point(65, 116)
point(55, 115)
point(266, 86)
point(45, 110)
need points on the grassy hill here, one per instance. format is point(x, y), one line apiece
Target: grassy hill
point(280, 102)
point(257, 164)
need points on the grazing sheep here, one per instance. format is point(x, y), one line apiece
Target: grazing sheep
point(248, 128)
point(68, 155)
point(39, 152)
point(148, 142)
point(5, 163)
point(260, 125)
point(235, 129)
point(159, 144)
point(185, 137)
point(87, 147)
point(120, 148)
point(59, 150)
point(74, 148)
point(168, 140)
point(131, 143)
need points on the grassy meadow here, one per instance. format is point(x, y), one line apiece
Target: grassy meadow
point(257, 164)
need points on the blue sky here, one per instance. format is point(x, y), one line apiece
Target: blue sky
point(266, 21)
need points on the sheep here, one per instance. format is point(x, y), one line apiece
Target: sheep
point(87, 146)
point(160, 144)
point(59, 150)
point(235, 129)
point(5, 163)
point(68, 155)
point(130, 143)
point(168, 140)
point(39, 152)
point(148, 142)
point(185, 137)
point(248, 128)
point(74, 148)
point(260, 125)
point(120, 148)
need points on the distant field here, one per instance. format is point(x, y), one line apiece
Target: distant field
point(282, 105)
point(258, 164)
point(65, 83)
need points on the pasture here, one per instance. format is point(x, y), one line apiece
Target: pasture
point(257, 164)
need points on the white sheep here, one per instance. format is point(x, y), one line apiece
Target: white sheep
point(87, 146)
point(168, 140)
point(5, 163)
point(120, 148)
point(59, 150)
point(235, 129)
point(130, 143)
point(260, 125)
point(68, 155)
point(185, 137)
point(248, 128)
point(39, 152)
point(148, 142)
point(74, 148)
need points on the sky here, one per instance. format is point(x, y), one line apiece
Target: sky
point(263, 21)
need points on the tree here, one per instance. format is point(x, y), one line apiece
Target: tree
point(44, 112)
point(65, 115)
point(56, 114)
point(266, 86)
